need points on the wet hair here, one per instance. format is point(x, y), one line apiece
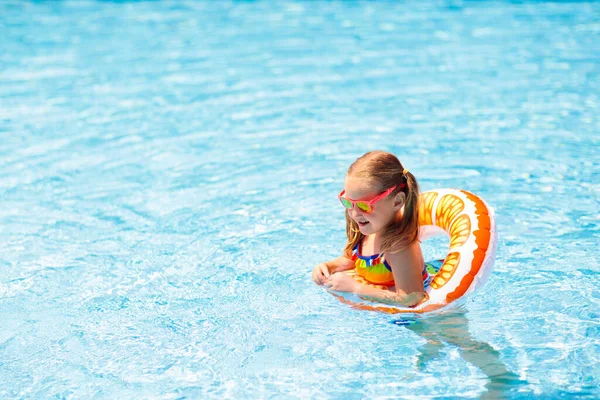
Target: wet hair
point(383, 170)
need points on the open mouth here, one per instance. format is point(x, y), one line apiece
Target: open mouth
point(362, 224)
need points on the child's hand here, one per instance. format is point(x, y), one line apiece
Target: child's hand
point(320, 273)
point(342, 282)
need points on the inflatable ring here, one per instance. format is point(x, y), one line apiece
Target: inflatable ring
point(469, 223)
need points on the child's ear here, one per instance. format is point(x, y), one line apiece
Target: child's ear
point(399, 200)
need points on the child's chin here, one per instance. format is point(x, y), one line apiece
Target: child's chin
point(365, 229)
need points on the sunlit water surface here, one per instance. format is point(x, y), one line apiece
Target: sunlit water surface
point(168, 179)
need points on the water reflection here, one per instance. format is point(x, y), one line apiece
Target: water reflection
point(453, 329)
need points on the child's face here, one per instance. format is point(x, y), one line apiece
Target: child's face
point(384, 211)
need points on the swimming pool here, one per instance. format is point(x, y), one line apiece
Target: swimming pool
point(168, 179)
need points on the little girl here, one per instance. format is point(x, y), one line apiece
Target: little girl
point(380, 198)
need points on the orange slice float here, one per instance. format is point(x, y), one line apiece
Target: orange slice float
point(469, 223)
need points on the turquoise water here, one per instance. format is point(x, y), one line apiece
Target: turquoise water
point(168, 180)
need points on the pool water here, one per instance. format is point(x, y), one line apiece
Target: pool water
point(168, 180)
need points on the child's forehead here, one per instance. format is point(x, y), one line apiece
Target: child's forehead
point(357, 187)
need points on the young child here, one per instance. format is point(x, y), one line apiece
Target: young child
point(380, 198)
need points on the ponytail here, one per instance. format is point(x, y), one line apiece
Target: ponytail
point(405, 231)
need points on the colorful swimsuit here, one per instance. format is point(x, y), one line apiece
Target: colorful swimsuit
point(375, 269)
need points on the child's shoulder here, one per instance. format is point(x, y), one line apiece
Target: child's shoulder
point(404, 253)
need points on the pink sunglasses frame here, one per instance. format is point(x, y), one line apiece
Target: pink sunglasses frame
point(369, 203)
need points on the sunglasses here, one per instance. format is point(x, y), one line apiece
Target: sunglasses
point(364, 206)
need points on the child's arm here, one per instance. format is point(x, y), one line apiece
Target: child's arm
point(345, 283)
point(390, 297)
point(323, 270)
point(407, 267)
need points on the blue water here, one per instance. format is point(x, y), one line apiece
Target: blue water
point(168, 180)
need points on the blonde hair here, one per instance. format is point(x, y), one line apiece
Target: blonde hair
point(383, 170)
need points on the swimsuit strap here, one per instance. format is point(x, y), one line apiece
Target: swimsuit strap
point(370, 260)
